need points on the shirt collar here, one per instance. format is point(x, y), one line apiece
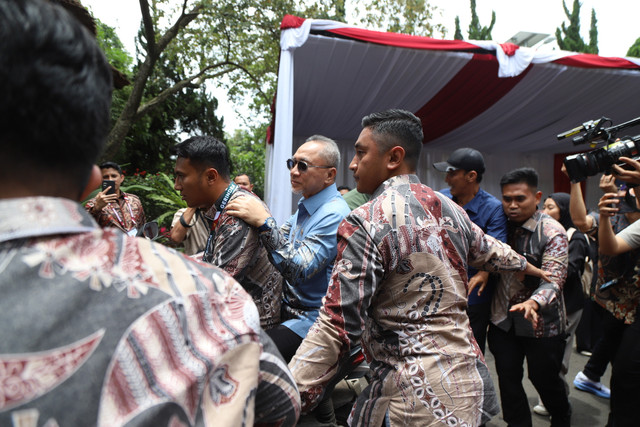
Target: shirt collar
point(314, 202)
point(395, 181)
point(475, 205)
point(27, 217)
point(531, 224)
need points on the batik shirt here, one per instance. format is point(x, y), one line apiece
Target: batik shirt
point(104, 329)
point(543, 241)
point(236, 248)
point(399, 286)
point(126, 214)
point(486, 212)
point(304, 250)
point(623, 297)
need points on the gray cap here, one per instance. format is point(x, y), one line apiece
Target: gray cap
point(466, 159)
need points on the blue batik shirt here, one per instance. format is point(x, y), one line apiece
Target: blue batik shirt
point(303, 250)
point(486, 212)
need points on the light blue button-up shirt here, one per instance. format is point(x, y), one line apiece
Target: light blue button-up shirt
point(303, 250)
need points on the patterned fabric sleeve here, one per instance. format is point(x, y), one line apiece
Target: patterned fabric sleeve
point(342, 317)
point(300, 261)
point(554, 262)
point(488, 253)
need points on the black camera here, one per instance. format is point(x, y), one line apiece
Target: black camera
point(580, 166)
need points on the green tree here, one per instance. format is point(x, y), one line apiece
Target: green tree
point(568, 36)
point(477, 31)
point(247, 151)
point(208, 39)
point(593, 34)
point(400, 16)
point(634, 50)
point(458, 34)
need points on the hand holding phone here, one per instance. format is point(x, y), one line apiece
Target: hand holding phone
point(107, 183)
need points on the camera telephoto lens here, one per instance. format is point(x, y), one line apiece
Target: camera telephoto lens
point(583, 165)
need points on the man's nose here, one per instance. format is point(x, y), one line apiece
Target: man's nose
point(353, 165)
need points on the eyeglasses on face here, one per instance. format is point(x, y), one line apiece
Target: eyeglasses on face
point(302, 165)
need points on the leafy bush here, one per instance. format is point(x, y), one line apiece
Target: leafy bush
point(159, 200)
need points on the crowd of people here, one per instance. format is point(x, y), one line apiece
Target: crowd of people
point(254, 323)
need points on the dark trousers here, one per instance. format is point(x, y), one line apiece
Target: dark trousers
point(544, 361)
point(605, 349)
point(479, 316)
point(590, 327)
point(625, 378)
point(286, 340)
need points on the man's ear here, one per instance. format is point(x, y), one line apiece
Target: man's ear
point(471, 176)
point(331, 175)
point(396, 157)
point(538, 197)
point(95, 179)
point(211, 175)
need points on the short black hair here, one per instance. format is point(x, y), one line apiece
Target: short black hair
point(528, 176)
point(206, 152)
point(344, 187)
point(397, 127)
point(56, 95)
point(246, 174)
point(111, 165)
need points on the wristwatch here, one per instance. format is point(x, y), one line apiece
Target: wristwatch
point(269, 224)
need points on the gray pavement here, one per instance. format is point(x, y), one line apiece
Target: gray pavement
point(588, 409)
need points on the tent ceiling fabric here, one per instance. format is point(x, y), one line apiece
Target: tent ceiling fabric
point(335, 74)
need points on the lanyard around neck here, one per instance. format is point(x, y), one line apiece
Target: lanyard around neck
point(208, 250)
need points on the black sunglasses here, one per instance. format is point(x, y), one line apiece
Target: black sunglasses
point(302, 165)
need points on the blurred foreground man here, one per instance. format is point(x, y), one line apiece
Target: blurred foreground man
point(100, 328)
point(399, 287)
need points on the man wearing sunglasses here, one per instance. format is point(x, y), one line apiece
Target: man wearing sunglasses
point(304, 248)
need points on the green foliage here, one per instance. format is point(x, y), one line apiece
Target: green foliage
point(248, 152)
point(400, 16)
point(634, 50)
point(458, 33)
point(112, 47)
point(477, 31)
point(568, 36)
point(159, 200)
point(593, 34)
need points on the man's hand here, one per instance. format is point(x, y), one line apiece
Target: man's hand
point(103, 199)
point(479, 279)
point(248, 209)
point(631, 176)
point(608, 184)
point(530, 310)
point(608, 204)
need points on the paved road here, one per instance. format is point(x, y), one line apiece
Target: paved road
point(588, 410)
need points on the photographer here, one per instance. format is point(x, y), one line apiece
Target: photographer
point(116, 208)
point(621, 299)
